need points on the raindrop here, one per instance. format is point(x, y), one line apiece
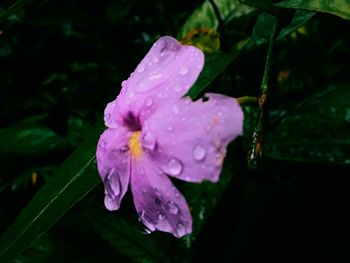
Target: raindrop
point(175, 109)
point(180, 229)
point(155, 60)
point(174, 167)
point(184, 71)
point(148, 102)
point(141, 68)
point(124, 83)
point(177, 88)
point(199, 153)
point(161, 216)
point(170, 128)
point(131, 95)
point(112, 184)
point(149, 141)
point(173, 208)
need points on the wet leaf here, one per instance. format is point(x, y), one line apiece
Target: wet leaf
point(336, 7)
point(315, 130)
point(73, 180)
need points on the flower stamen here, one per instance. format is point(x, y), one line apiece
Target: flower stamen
point(135, 144)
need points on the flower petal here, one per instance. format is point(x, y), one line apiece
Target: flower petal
point(166, 73)
point(159, 204)
point(113, 163)
point(191, 137)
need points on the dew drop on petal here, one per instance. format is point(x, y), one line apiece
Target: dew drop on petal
point(149, 141)
point(177, 88)
point(148, 102)
point(180, 229)
point(199, 153)
point(172, 208)
point(112, 184)
point(184, 71)
point(175, 109)
point(155, 60)
point(141, 68)
point(170, 128)
point(161, 216)
point(131, 95)
point(174, 167)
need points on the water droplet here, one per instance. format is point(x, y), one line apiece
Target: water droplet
point(131, 95)
point(208, 128)
point(174, 167)
point(112, 184)
point(107, 117)
point(124, 83)
point(177, 88)
point(161, 216)
point(173, 207)
point(149, 141)
point(155, 60)
point(156, 76)
point(170, 128)
point(199, 153)
point(184, 71)
point(175, 109)
point(148, 102)
point(141, 68)
point(180, 229)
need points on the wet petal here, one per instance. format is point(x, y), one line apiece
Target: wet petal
point(165, 74)
point(192, 136)
point(113, 163)
point(159, 204)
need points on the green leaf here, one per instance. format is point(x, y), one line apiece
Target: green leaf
point(204, 16)
point(126, 237)
point(203, 198)
point(336, 7)
point(15, 12)
point(30, 138)
point(263, 26)
point(214, 65)
point(73, 180)
point(316, 130)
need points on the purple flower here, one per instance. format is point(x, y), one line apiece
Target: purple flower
point(154, 132)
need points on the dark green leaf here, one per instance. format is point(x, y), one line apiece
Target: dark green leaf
point(127, 238)
point(204, 16)
point(29, 138)
point(214, 65)
point(336, 7)
point(203, 198)
point(15, 12)
point(316, 130)
point(263, 26)
point(76, 177)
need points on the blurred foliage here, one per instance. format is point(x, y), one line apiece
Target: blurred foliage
point(62, 61)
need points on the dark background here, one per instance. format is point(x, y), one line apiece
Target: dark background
point(62, 61)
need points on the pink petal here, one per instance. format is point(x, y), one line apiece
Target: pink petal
point(159, 204)
point(166, 73)
point(113, 163)
point(191, 137)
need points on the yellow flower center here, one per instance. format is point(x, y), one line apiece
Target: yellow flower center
point(135, 144)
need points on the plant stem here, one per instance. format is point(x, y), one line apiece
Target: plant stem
point(256, 148)
point(274, 34)
point(221, 26)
